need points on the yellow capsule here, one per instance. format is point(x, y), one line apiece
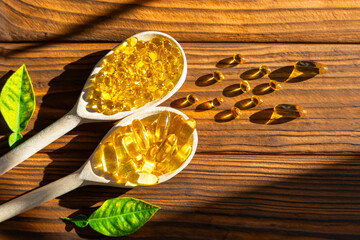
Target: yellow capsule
point(149, 160)
point(142, 179)
point(178, 158)
point(140, 134)
point(216, 102)
point(264, 69)
point(167, 44)
point(238, 58)
point(185, 131)
point(131, 147)
point(218, 76)
point(310, 67)
point(191, 98)
point(157, 41)
point(274, 85)
point(119, 148)
point(125, 169)
point(175, 51)
point(162, 126)
point(289, 111)
point(132, 41)
point(255, 100)
point(245, 86)
point(166, 148)
point(150, 130)
point(109, 158)
point(236, 112)
point(176, 122)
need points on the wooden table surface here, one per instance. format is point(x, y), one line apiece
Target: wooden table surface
point(294, 180)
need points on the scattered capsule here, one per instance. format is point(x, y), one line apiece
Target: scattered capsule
point(245, 86)
point(238, 58)
point(191, 98)
point(256, 100)
point(310, 67)
point(274, 85)
point(218, 76)
point(289, 111)
point(265, 70)
point(236, 112)
point(216, 102)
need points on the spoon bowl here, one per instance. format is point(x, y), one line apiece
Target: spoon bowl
point(85, 175)
point(80, 114)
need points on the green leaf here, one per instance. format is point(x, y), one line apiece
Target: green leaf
point(121, 216)
point(15, 139)
point(81, 220)
point(17, 102)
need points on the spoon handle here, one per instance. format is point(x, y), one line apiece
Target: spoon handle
point(39, 141)
point(40, 195)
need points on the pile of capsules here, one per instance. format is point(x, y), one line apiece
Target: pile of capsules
point(137, 72)
point(141, 152)
point(280, 110)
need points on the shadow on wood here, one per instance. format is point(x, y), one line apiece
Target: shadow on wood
point(77, 29)
point(204, 106)
point(289, 74)
point(266, 117)
point(226, 63)
point(251, 74)
point(180, 103)
point(224, 116)
point(232, 90)
point(262, 89)
point(205, 80)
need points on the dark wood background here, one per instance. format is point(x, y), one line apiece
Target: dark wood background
point(295, 180)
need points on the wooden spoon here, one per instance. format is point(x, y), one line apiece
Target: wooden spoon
point(85, 175)
point(80, 114)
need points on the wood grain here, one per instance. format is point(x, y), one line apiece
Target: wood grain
point(215, 197)
point(59, 71)
point(188, 20)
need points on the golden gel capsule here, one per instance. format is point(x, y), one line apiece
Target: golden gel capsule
point(238, 58)
point(166, 148)
point(264, 69)
point(310, 67)
point(245, 86)
point(216, 102)
point(177, 121)
point(218, 76)
point(162, 126)
point(178, 158)
point(142, 179)
point(140, 133)
point(255, 100)
point(119, 148)
point(185, 131)
point(125, 169)
point(131, 147)
point(289, 111)
point(191, 98)
point(274, 85)
point(109, 158)
point(149, 160)
point(236, 112)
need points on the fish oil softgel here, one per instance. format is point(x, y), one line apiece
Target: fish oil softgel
point(310, 67)
point(289, 111)
point(146, 149)
point(137, 72)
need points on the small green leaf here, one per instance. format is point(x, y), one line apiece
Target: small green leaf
point(81, 220)
point(15, 139)
point(121, 216)
point(17, 102)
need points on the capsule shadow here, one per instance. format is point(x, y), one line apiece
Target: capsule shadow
point(180, 103)
point(289, 74)
point(224, 116)
point(265, 117)
point(205, 80)
point(232, 90)
point(226, 63)
point(262, 89)
point(251, 74)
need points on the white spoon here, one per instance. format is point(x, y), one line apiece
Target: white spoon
point(85, 175)
point(79, 114)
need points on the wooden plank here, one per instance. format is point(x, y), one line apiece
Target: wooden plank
point(215, 197)
point(331, 127)
point(187, 20)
